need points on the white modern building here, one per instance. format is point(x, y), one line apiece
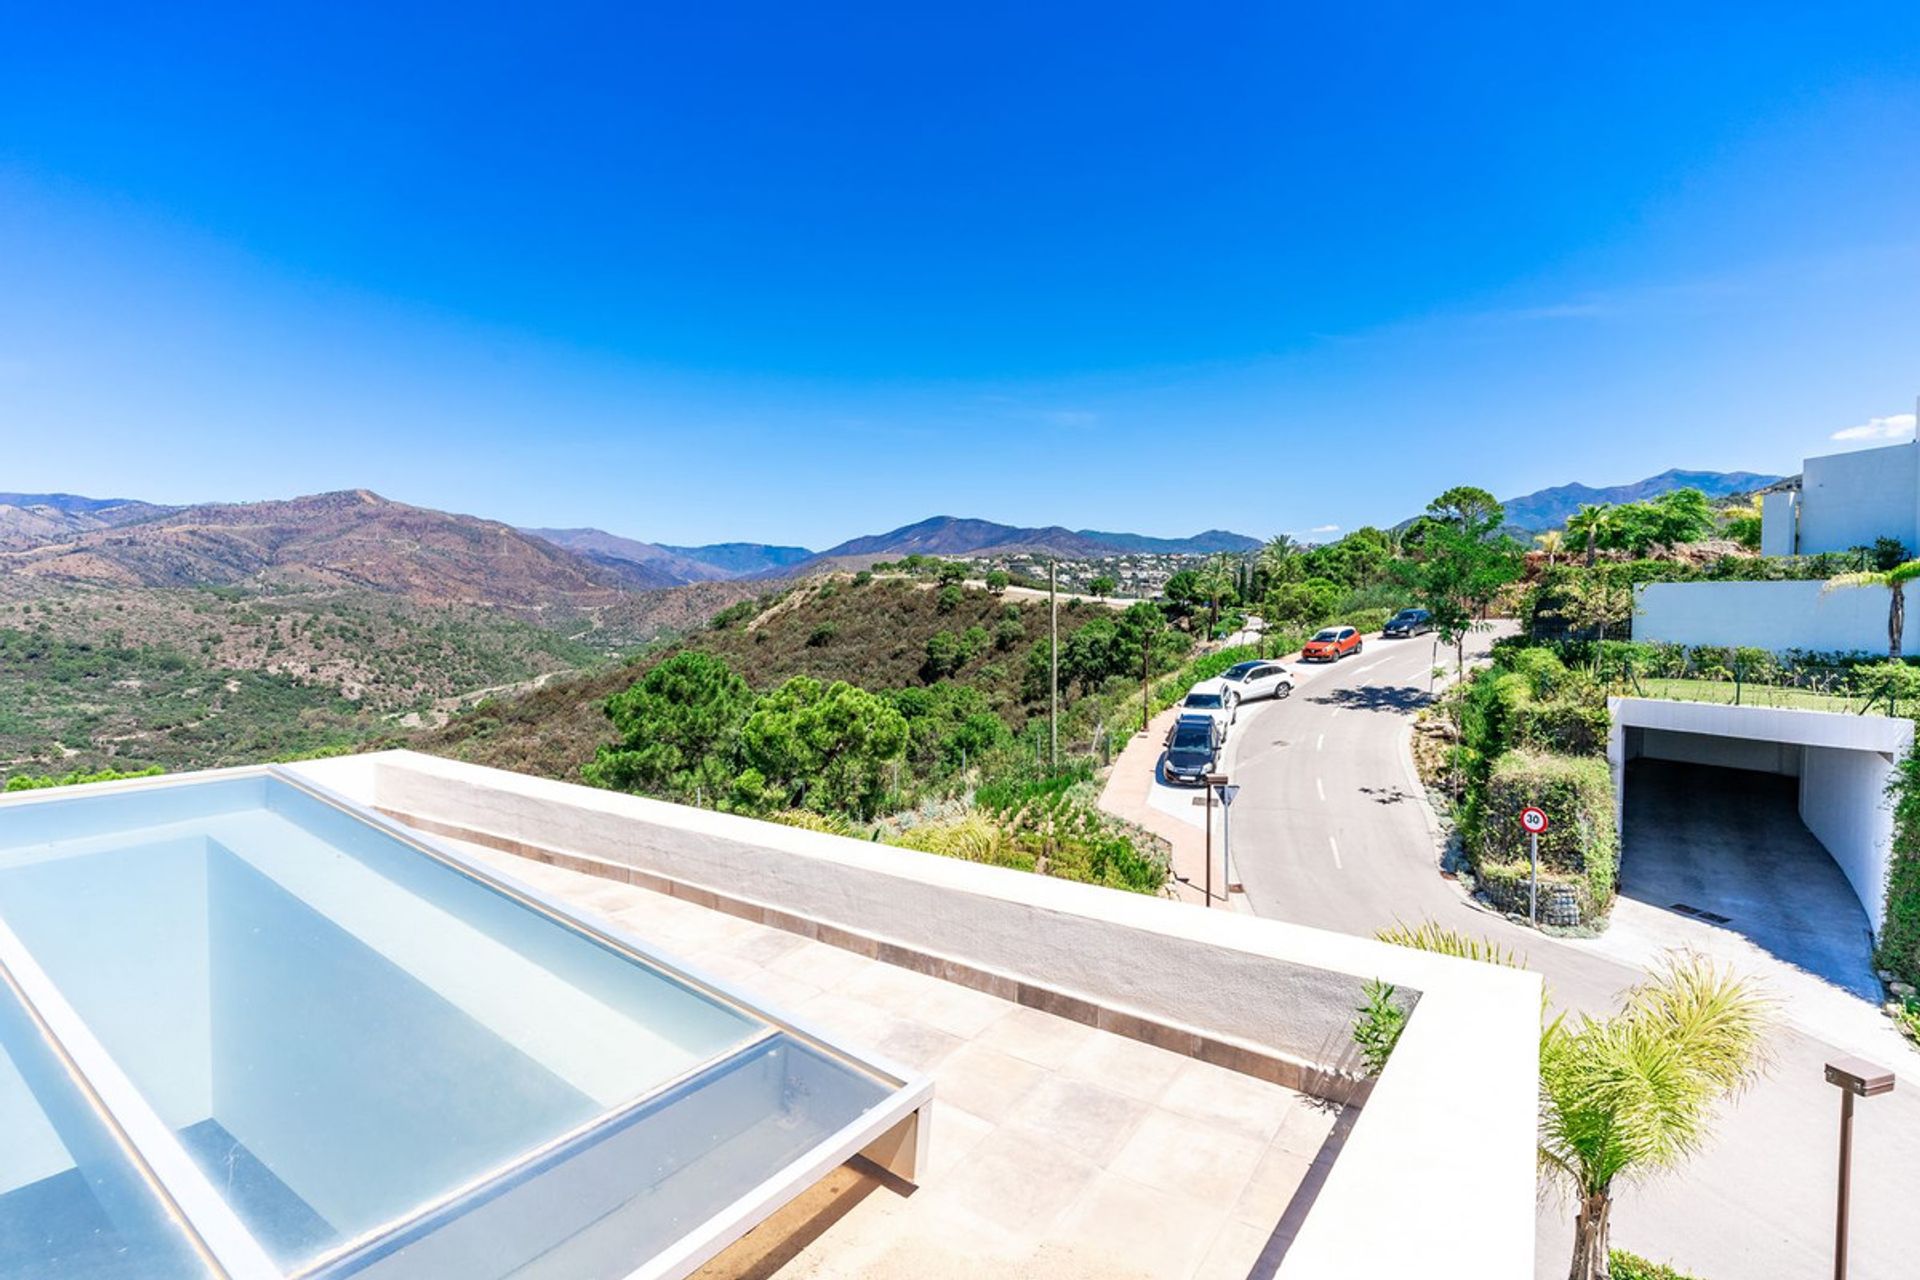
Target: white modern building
point(1847, 500)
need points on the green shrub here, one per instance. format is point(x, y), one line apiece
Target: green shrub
point(1382, 1017)
point(1577, 795)
point(32, 782)
point(1367, 620)
point(1631, 1266)
point(1899, 949)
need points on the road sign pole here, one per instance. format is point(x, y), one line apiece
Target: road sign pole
point(1209, 876)
point(1533, 879)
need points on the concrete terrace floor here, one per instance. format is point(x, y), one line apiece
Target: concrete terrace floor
point(1057, 1150)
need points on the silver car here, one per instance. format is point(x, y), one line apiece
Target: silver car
point(1260, 679)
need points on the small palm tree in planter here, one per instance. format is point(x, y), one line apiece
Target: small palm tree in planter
point(1895, 580)
point(1635, 1093)
point(1631, 1094)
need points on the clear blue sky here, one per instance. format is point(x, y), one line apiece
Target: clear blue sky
point(796, 272)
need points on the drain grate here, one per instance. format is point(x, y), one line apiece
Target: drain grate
point(1711, 917)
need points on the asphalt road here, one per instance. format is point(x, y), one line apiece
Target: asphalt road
point(1329, 831)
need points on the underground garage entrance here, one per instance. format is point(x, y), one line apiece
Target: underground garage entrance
point(1771, 823)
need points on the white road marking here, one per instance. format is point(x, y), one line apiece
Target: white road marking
point(1320, 787)
point(1335, 846)
point(1370, 666)
point(1320, 742)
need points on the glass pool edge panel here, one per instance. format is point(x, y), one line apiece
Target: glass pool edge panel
point(890, 1099)
point(92, 1205)
point(616, 939)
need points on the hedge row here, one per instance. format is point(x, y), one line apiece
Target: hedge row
point(1900, 936)
point(1576, 792)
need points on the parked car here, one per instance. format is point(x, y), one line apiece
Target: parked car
point(1408, 622)
point(1330, 644)
point(1211, 698)
point(1193, 748)
point(1258, 679)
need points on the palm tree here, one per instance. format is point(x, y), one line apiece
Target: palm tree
point(1594, 521)
point(1635, 1093)
point(1553, 542)
point(1216, 583)
point(1895, 580)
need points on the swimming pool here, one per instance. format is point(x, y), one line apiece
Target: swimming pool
point(250, 1029)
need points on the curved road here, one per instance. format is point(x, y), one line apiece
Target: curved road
point(1330, 830)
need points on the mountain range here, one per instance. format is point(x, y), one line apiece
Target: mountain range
point(356, 538)
point(1549, 508)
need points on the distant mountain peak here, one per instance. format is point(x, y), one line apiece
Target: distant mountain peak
point(1549, 508)
point(970, 536)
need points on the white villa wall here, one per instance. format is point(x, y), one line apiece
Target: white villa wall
point(1844, 763)
point(1844, 802)
point(1849, 499)
point(1769, 615)
point(1779, 523)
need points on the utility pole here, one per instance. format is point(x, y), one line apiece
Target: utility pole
point(1053, 665)
point(1146, 683)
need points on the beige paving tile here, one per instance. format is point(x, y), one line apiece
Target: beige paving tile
point(1015, 1180)
point(1308, 1127)
point(1271, 1188)
point(1086, 1119)
point(1142, 1229)
point(1039, 1038)
point(1235, 1251)
point(819, 963)
point(1124, 1066)
point(954, 1135)
point(960, 1011)
point(1193, 1157)
point(835, 1015)
point(985, 1081)
point(889, 987)
point(1242, 1103)
point(763, 946)
point(918, 1047)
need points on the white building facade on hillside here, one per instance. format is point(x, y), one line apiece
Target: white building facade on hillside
point(1847, 500)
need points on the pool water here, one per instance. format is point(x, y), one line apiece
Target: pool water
point(380, 1061)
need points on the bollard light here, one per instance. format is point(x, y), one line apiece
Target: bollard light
point(1855, 1078)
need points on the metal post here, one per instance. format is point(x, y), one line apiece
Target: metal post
point(1146, 682)
point(1226, 843)
point(1053, 668)
point(1846, 1185)
point(1533, 881)
point(1209, 842)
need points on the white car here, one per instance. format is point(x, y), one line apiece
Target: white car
point(1258, 679)
point(1212, 698)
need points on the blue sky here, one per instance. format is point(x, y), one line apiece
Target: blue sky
point(799, 272)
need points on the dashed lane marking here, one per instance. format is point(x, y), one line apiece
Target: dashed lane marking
point(1335, 846)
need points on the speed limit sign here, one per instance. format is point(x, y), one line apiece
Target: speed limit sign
point(1533, 821)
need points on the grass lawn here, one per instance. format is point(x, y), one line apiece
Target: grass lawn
point(1756, 695)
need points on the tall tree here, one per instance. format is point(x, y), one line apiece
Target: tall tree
point(1895, 580)
point(679, 727)
point(1461, 563)
point(1594, 522)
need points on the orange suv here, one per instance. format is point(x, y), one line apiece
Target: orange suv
point(1330, 644)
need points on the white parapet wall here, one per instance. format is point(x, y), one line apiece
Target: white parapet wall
point(1844, 763)
point(1776, 616)
point(1455, 1107)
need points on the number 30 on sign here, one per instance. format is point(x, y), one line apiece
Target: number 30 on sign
point(1533, 821)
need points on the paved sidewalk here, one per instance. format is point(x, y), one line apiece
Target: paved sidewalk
point(1129, 795)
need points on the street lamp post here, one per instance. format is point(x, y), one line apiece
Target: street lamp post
point(1856, 1078)
point(1213, 780)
